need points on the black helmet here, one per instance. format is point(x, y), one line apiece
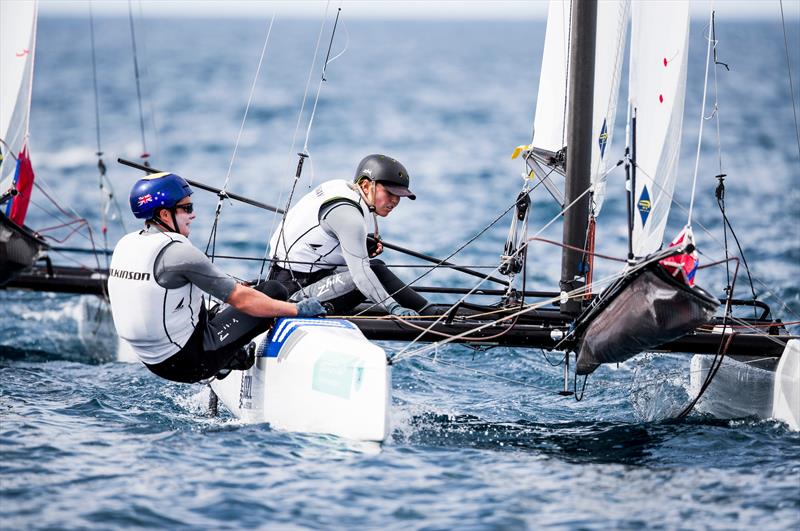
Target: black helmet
point(387, 171)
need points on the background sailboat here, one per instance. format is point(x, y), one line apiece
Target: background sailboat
point(19, 246)
point(475, 424)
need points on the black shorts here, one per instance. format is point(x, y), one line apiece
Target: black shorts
point(216, 340)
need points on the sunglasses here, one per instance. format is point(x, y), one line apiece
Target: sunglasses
point(188, 207)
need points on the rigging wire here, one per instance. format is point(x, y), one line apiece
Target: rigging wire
point(106, 194)
point(144, 156)
point(702, 122)
point(791, 84)
point(525, 309)
point(720, 193)
point(146, 79)
point(720, 190)
point(462, 247)
point(222, 194)
point(305, 154)
point(323, 79)
point(713, 237)
point(292, 150)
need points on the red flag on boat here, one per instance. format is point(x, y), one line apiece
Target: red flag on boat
point(684, 265)
point(23, 182)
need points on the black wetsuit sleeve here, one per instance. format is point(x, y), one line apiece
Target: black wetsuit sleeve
point(179, 264)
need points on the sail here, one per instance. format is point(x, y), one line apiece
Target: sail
point(17, 43)
point(659, 56)
point(612, 30)
point(549, 124)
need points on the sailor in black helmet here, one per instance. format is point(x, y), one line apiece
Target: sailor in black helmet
point(322, 245)
point(155, 285)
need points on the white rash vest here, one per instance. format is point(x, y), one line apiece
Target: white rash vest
point(302, 244)
point(157, 322)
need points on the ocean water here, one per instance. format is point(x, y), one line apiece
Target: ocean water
point(480, 438)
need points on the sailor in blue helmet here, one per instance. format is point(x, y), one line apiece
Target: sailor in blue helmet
point(322, 245)
point(156, 283)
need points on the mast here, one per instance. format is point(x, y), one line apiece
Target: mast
point(579, 148)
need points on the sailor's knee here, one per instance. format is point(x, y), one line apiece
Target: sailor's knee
point(273, 289)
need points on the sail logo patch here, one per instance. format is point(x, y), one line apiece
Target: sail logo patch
point(603, 139)
point(643, 205)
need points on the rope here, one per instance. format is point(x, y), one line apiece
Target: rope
point(292, 149)
point(522, 248)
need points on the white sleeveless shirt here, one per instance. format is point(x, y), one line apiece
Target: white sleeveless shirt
point(155, 321)
point(303, 239)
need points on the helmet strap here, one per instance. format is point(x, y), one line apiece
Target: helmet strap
point(365, 197)
point(371, 206)
point(157, 220)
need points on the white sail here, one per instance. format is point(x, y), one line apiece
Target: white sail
point(549, 124)
point(612, 30)
point(17, 42)
point(659, 56)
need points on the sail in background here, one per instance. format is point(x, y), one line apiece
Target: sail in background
point(551, 103)
point(17, 50)
point(659, 56)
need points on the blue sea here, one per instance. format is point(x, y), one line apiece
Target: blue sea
point(480, 439)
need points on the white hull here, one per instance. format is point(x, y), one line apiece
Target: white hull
point(762, 389)
point(316, 376)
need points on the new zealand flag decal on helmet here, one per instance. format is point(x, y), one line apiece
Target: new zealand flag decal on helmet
point(603, 139)
point(644, 205)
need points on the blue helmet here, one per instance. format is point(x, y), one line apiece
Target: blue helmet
point(156, 191)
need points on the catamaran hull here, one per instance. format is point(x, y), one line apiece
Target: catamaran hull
point(760, 388)
point(652, 309)
point(315, 376)
point(19, 248)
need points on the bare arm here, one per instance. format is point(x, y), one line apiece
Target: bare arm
point(255, 303)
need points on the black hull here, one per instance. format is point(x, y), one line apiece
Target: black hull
point(644, 310)
point(543, 330)
point(540, 329)
point(61, 279)
point(19, 248)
